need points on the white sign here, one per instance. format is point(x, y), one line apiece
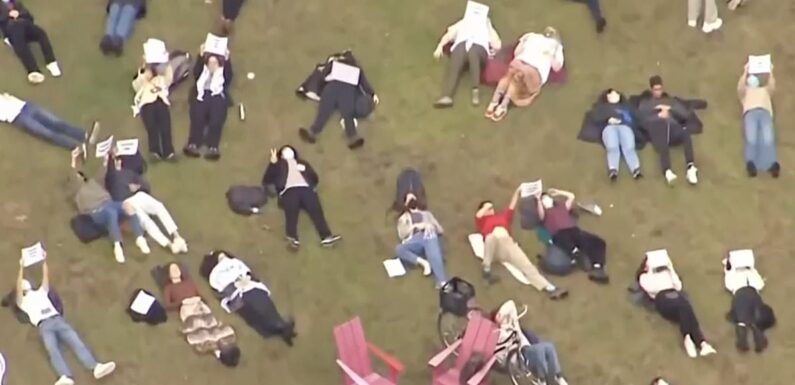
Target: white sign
point(216, 45)
point(741, 258)
point(127, 147)
point(759, 64)
point(155, 52)
point(476, 12)
point(394, 268)
point(33, 255)
point(531, 189)
point(103, 148)
point(344, 73)
point(142, 303)
point(657, 258)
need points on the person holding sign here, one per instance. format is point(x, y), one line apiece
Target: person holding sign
point(119, 23)
point(151, 101)
point(749, 312)
point(759, 134)
point(19, 28)
point(473, 40)
point(42, 123)
point(500, 246)
point(53, 328)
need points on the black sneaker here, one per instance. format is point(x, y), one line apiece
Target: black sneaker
point(557, 293)
point(213, 153)
point(741, 333)
point(155, 156)
point(612, 175)
point(191, 151)
point(599, 276)
point(306, 135)
point(760, 341)
point(355, 143)
point(330, 240)
point(751, 169)
point(637, 174)
point(600, 25)
point(105, 44)
point(293, 243)
point(775, 169)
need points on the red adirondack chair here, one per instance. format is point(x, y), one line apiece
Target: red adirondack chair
point(480, 336)
point(354, 359)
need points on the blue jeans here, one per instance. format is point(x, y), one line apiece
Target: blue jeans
point(542, 359)
point(44, 124)
point(120, 21)
point(760, 144)
point(618, 140)
point(55, 330)
point(420, 245)
point(108, 216)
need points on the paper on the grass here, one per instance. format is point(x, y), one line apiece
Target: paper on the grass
point(103, 148)
point(741, 258)
point(657, 258)
point(155, 52)
point(127, 147)
point(531, 189)
point(478, 248)
point(476, 12)
point(32, 255)
point(759, 64)
point(592, 208)
point(394, 268)
point(142, 303)
point(344, 73)
point(216, 44)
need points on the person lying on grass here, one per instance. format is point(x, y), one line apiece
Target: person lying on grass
point(759, 134)
point(41, 123)
point(419, 233)
point(20, 30)
point(616, 116)
point(749, 313)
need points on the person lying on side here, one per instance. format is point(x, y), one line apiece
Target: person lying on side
point(130, 188)
point(419, 232)
point(759, 133)
point(658, 279)
point(500, 246)
point(92, 199)
point(749, 313)
point(19, 28)
point(616, 117)
point(39, 122)
point(53, 328)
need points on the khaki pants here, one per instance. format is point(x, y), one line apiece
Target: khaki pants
point(504, 249)
point(710, 10)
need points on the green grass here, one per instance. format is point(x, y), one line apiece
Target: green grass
point(601, 337)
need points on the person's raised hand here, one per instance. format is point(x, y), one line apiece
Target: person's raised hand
point(13, 14)
point(437, 54)
point(21, 264)
point(552, 191)
point(745, 68)
point(274, 158)
point(376, 100)
point(613, 121)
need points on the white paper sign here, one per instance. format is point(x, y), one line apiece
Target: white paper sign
point(657, 258)
point(478, 248)
point(33, 254)
point(216, 45)
point(142, 303)
point(155, 52)
point(741, 258)
point(344, 73)
point(394, 268)
point(760, 64)
point(531, 189)
point(476, 12)
point(127, 147)
point(103, 148)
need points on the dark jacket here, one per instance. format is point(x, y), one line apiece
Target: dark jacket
point(313, 86)
point(198, 68)
point(24, 14)
point(595, 120)
point(140, 4)
point(683, 111)
point(276, 173)
point(117, 182)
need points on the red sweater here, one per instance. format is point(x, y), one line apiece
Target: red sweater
point(487, 223)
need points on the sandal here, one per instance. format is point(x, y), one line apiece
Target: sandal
point(490, 110)
point(499, 113)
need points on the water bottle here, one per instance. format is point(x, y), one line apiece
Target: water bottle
point(242, 112)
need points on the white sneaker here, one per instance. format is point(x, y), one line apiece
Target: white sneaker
point(118, 252)
point(55, 71)
point(103, 369)
point(690, 347)
point(692, 23)
point(181, 244)
point(63, 380)
point(426, 267)
point(141, 243)
point(706, 349)
point(714, 26)
point(692, 175)
point(670, 177)
point(35, 77)
point(562, 381)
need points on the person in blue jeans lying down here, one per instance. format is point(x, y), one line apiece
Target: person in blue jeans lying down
point(41, 123)
point(419, 233)
point(616, 117)
point(122, 15)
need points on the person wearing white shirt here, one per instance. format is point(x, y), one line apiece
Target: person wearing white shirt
point(748, 310)
point(208, 103)
point(535, 56)
point(658, 279)
point(471, 43)
point(53, 329)
point(41, 123)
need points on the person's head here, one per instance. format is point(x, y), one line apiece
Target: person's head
point(229, 355)
point(612, 96)
point(656, 86)
point(213, 62)
point(752, 81)
point(174, 273)
point(287, 152)
point(26, 287)
point(552, 33)
point(485, 208)
point(547, 201)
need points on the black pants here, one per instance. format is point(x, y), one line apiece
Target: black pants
point(157, 121)
point(231, 9)
point(573, 240)
point(20, 34)
point(745, 306)
point(207, 120)
point(260, 314)
point(297, 198)
point(676, 308)
point(594, 8)
point(339, 96)
point(663, 135)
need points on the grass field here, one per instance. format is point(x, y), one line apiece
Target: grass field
point(601, 337)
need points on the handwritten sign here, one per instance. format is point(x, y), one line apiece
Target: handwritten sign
point(531, 189)
point(33, 254)
point(155, 52)
point(216, 44)
point(759, 64)
point(103, 148)
point(127, 147)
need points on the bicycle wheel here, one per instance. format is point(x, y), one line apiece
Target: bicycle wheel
point(519, 372)
point(450, 327)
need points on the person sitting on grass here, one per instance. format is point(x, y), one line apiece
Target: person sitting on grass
point(472, 42)
point(296, 183)
point(760, 143)
point(92, 199)
point(53, 328)
point(661, 284)
point(419, 233)
point(500, 246)
point(616, 117)
point(661, 116)
point(540, 356)
point(42, 123)
point(119, 24)
point(748, 311)
point(583, 247)
point(130, 188)
point(534, 57)
point(19, 28)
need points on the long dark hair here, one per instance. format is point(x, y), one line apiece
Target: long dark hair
point(603, 96)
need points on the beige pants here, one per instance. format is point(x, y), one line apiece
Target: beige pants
point(694, 10)
point(504, 249)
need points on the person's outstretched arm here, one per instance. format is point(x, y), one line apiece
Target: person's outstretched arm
point(448, 37)
point(771, 81)
point(20, 278)
point(514, 200)
point(45, 276)
point(540, 209)
point(741, 84)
